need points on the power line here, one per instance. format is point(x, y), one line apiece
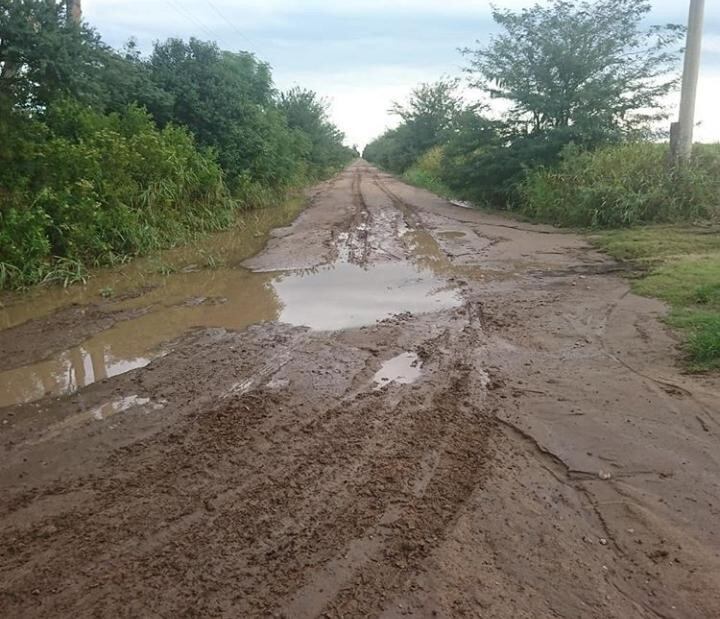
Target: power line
point(231, 24)
point(180, 10)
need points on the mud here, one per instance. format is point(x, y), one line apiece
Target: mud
point(399, 407)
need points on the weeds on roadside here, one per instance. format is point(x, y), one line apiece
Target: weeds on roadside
point(624, 185)
point(680, 265)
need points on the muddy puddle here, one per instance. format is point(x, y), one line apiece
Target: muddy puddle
point(404, 369)
point(336, 296)
point(333, 297)
point(345, 295)
point(126, 284)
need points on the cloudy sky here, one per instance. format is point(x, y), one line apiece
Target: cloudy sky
point(360, 54)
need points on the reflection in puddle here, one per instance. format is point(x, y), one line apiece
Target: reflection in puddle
point(108, 409)
point(346, 295)
point(336, 296)
point(230, 247)
point(404, 369)
point(99, 413)
point(71, 370)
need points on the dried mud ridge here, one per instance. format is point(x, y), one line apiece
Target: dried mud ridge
point(547, 458)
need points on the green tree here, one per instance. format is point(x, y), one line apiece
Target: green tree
point(127, 79)
point(592, 65)
point(307, 112)
point(431, 111)
point(43, 57)
point(428, 119)
point(227, 100)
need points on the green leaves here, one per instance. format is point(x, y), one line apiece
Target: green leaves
point(321, 140)
point(101, 186)
point(623, 185)
point(584, 64)
point(105, 154)
point(429, 119)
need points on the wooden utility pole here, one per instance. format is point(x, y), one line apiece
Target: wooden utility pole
point(681, 133)
point(73, 11)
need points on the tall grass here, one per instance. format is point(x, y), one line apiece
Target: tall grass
point(624, 185)
point(426, 172)
point(98, 189)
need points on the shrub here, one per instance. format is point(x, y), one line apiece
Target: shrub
point(426, 172)
point(623, 185)
point(100, 187)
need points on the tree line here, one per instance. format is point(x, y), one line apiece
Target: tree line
point(584, 87)
point(106, 154)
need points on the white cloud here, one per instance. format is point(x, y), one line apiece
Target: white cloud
point(359, 99)
point(361, 94)
point(706, 116)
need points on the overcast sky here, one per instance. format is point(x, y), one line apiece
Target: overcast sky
point(360, 54)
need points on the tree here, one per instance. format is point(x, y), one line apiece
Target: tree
point(227, 100)
point(430, 113)
point(591, 65)
point(307, 112)
point(428, 119)
point(43, 57)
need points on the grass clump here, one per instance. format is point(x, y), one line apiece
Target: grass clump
point(98, 188)
point(426, 172)
point(624, 185)
point(682, 267)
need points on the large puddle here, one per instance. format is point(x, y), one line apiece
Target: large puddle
point(332, 297)
point(346, 295)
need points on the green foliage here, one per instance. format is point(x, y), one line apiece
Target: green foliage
point(100, 187)
point(704, 342)
point(590, 65)
point(426, 172)
point(428, 119)
point(575, 72)
point(88, 176)
point(42, 57)
point(485, 161)
point(308, 113)
point(430, 114)
point(681, 265)
point(226, 100)
point(663, 243)
point(623, 185)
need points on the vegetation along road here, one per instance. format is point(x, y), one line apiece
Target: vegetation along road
point(398, 407)
point(249, 371)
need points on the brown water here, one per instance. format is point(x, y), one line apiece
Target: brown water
point(223, 249)
point(335, 296)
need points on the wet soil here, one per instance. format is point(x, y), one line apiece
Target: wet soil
point(399, 407)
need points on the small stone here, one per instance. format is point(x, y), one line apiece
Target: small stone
point(603, 541)
point(604, 475)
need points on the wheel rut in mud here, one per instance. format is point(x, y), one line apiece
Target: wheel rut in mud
point(398, 407)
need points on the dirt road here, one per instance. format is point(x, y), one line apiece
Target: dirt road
point(399, 407)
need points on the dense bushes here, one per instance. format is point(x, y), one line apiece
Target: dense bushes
point(576, 76)
point(427, 172)
point(624, 185)
point(106, 154)
point(228, 101)
point(429, 118)
point(98, 188)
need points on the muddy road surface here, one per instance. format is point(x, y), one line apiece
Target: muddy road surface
point(399, 407)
